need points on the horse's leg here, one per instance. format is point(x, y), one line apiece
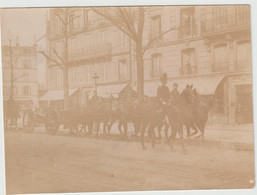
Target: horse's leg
point(180, 132)
point(125, 126)
point(166, 128)
point(201, 127)
point(136, 127)
point(90, 125)
point(97, 126)
point(119, 127)
point(151, 134)
point(159, 131)
point(188, 130)
point(173, 136)
point(111, 122)
point(195, 128)
point(142, 130)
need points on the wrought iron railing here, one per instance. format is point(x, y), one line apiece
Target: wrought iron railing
point(226, 22)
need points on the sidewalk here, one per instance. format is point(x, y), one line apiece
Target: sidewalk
point(237, 136)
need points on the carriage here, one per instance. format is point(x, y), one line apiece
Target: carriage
point(52, 119)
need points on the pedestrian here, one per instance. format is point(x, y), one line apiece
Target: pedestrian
point(188, 68)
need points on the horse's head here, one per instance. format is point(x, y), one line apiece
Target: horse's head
point(188, 95)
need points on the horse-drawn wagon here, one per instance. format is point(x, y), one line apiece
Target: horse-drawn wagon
point(52, 119)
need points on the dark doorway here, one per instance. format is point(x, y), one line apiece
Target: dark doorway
point(244, 106)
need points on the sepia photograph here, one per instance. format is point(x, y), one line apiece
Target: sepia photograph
point(127, 98)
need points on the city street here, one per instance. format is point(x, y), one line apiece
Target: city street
point(42, 163)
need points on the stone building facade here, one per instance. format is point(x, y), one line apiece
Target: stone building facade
point(25, 84)
point(207, 46)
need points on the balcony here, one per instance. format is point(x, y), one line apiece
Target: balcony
point(220, 67)
point(184, 71)
point(243, 65)
point(226, 23)
point(93, 52)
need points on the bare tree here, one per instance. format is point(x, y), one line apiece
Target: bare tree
point(131, 21)
point(62, 60)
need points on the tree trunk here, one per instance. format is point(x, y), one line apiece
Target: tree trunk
point(66, 68)
point(139, 55)
point(66, 89)
point(140, 71)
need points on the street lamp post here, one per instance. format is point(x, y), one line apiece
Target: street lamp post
point(95, 77)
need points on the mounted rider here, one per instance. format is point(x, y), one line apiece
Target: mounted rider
point(174, 93)
point(163, 92)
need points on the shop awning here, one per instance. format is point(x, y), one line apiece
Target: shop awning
point(108, 90)
point(204, 86)
point(54, 95)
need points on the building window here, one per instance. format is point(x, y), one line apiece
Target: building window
point(77, 19)
point(15, 90)
point(73, 75)
point(155, 26)
point(26, 63)
point(59, 78)
point(219, 97)
point(26, 91)
point(123, 70)
point(59, 48)
point(53, 78)
point(4, 91)
point(85, 74)
point(25, 76)
point(94, 18)
point(85, 17)
point(111, 73)
point(220, 58)
point(244, 56)
point(71, 48)
point(58, 24)
point(188, 65)
point(156, 66)
point(188, 22)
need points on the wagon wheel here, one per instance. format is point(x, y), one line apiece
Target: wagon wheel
point(51, 122)
point(29, 121)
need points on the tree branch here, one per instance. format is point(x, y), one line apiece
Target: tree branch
point(51, 59)
point(126, 20)
point(116, 23)
point(61, 19)
point(59, 57)
point(155, 39)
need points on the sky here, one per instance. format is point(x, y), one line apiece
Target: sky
point(28, 24)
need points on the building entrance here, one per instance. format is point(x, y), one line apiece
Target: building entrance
point(244, 106)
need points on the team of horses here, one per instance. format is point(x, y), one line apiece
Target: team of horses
point(189, 110)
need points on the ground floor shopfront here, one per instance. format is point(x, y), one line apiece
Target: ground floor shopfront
point(232, 92)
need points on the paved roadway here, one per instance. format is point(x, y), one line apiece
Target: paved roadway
point(41, 163)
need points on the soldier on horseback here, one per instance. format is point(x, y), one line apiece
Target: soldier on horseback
point(163, 91)
point(174, 93)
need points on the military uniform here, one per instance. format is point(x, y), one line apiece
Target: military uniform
point(174, 94)
point(163, 93)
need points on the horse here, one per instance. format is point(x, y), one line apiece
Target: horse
point(151, 113)
point(201, 107)
point(124, 111)
point(180, 112)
